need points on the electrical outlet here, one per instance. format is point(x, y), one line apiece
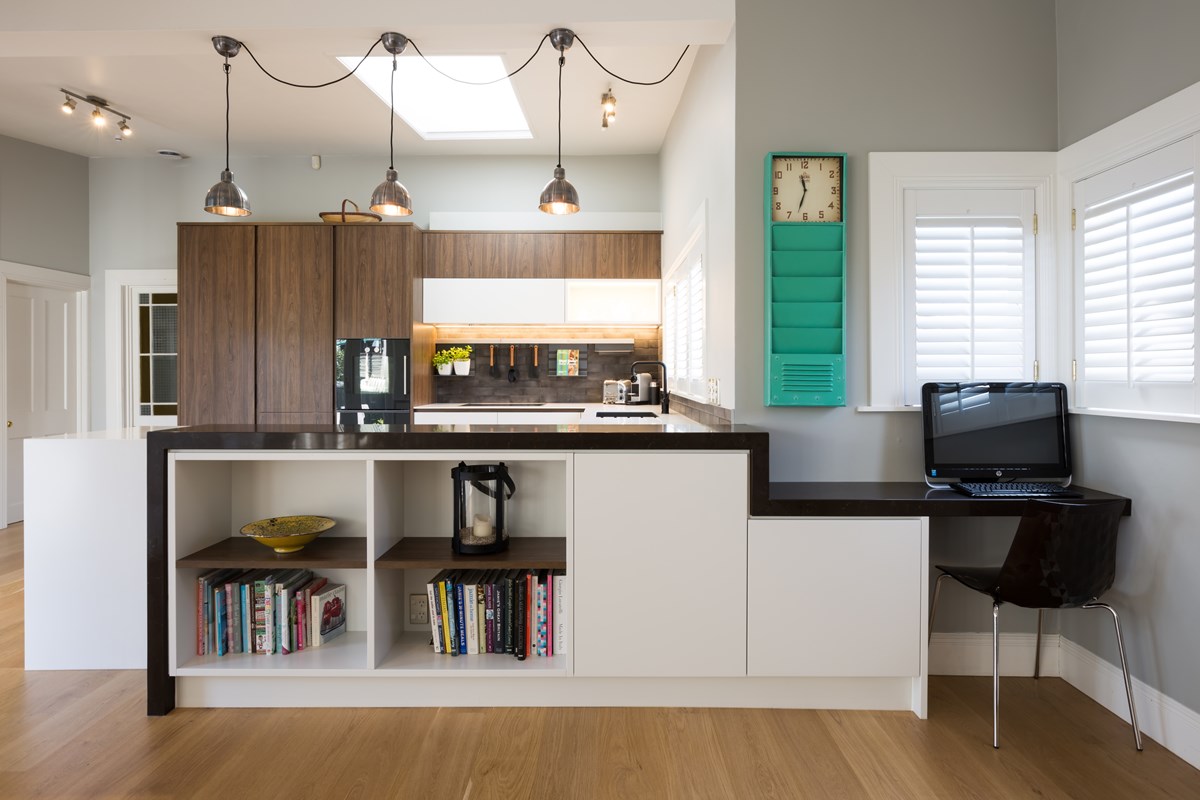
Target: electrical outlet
point(714, 391)
point(418, 609)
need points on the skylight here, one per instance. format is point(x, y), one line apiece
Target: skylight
point(438, 108)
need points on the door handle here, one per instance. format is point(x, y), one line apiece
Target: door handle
point(406, 376)
point(10, 423)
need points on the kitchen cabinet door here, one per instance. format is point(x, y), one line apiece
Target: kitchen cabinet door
point(474, 301)
point(836, 597)
point(374, 269)
point(295, 319)
point(466, 254)
point(216, 323)
point(613, 255)
point(659, 567)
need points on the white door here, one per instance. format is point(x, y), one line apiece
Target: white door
point(42, 395)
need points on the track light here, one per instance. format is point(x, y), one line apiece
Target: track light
point(225, 197)
point(608, 109)
point(100, 107)
point(559, 196)
point(125, 129)
point(390, 197)
point(68, 106)
point(98, 119)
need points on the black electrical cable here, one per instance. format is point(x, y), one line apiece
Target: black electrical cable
point(311, 85)
point(627, 80)
point(226, 113)
point(561, 61)
point(480, 83)
point(392, 118)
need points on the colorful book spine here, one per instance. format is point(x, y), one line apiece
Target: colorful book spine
point(471, 608)
point(522, 617)
point(460, 607)
point(450, 640)
point(489, 614)
point(221, 616)
point(560, 611)
point(510, 612)
point(542, 649)
point(480, 614)
point(435, 612)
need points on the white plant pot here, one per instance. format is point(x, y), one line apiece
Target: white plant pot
point(443, 369)
point(462, 367)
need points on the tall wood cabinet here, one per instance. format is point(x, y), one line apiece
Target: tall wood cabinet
point(216, 324)
point(294, 296)
point(261, 304)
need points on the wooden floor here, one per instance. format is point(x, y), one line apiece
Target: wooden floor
point(85, 735)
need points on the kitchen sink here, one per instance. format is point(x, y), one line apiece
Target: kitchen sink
point(640, 414)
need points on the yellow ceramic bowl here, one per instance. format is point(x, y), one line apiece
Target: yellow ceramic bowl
point(287, 534)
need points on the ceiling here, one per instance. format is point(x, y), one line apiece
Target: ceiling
point(155, 62)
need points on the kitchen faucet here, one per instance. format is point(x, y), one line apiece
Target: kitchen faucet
point(666, 396)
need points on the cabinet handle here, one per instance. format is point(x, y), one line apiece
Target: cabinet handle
point(405, 376)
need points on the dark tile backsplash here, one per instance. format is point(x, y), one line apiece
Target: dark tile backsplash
point(481, 386)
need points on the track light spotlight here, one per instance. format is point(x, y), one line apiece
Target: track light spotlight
point(608, 109)
point(98, 118)
point(125, 129)
point(68, 105)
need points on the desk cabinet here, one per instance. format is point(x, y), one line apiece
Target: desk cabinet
point(836, 597)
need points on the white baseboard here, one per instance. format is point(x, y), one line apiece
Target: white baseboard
point(1166, 721)
point(971, 654)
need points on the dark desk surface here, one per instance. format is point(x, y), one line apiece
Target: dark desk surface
point(848, 499)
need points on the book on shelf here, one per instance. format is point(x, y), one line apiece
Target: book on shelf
point(261, 612)
point(521, 603)
point(329, 612)
point(303, 614)
point(446, 591)
point(471, 611)
point(560, 611)
point(481, 613)
point(285, 610)
point(489, 613)
point(205, 640)
point(435, 611)
point(543, 615)
point(460, 614)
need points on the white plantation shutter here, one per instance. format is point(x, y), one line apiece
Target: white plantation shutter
point(970, 289)
point(683, 327)
point(1136, 285)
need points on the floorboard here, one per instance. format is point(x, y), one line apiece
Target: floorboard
point(85, 734)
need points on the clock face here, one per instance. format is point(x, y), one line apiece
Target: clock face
point(806, 189)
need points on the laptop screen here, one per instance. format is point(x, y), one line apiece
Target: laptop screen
point(996, 431)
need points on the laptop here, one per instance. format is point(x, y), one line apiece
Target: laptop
point(989, 439)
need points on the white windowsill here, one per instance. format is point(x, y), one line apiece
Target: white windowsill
point(877, 409)
point(1113, 412)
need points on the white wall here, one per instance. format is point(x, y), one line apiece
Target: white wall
point(43, 207)
point(136, 203)
point(697, 171)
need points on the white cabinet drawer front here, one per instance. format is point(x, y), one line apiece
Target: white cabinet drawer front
point(537, 417)
point(659, 570)
point(517, 301)
point(835, 597)
point(454, 418)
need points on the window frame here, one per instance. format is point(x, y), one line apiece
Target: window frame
point(693, 250)
point(890, 177)
point(121, 287)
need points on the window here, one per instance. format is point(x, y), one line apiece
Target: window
point(683, 326)
point(157, 375)
point(955, 292)
point(968, 299)
point(1135, 280)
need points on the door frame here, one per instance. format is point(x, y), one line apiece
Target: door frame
point(12, 272)
point(119, 285)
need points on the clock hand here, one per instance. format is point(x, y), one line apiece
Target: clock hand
point(803, 185)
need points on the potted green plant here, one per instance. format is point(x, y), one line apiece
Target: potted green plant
point(462, 359)
point(443, 359)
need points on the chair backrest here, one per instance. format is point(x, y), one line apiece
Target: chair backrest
point(1064, 554)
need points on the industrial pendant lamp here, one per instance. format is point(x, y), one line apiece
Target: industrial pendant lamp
point(559, 196)
point(226, 197)
point(390, 197)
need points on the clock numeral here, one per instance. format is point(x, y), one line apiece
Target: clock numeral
point(805, 216)
point(804, 163)
point(831, 173)
point(789, 215)
point(820, 215)
point(789, 166)
point(779, 172)
point(833, 190)
point(778, 207)
point(775, 190)
point(830, 205)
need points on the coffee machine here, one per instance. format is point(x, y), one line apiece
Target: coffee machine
point(639, 389)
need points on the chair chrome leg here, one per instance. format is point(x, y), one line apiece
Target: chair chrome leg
point(1137, 734)
point(996, 674)
point(1037, 651)
point(937, 590)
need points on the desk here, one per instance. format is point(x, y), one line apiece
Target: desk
point(843, 568)
point(910, 499)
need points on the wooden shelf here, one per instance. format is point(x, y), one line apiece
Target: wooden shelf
point(333, 552)
point(433, 552)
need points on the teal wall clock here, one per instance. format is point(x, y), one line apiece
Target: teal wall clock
point(805, 254)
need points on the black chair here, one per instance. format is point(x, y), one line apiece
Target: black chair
point(1064, 555)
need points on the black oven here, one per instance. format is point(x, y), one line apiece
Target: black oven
point(372, 381)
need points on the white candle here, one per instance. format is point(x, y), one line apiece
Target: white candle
point(482, 527)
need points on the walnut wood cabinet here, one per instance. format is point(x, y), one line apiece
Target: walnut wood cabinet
point(374, 270)
point(469, 254)
point(260, 306)
point(216, 324)
point(294, 297)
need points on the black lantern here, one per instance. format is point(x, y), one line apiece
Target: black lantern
point(480, 513)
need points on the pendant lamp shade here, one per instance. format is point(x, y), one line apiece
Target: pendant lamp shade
point(227, 198)
point(390, 198)
point(559, 196)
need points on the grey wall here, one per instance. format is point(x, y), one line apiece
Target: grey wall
point(43, 207)
point(1116, 57)
point(860, 76)
point(136, 203)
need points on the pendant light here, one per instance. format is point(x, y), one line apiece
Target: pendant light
point(559, 196)
point(390, 197)
point(226, 197)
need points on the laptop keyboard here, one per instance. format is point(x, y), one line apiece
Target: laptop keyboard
point(1014, 490)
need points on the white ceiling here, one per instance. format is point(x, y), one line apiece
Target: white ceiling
point(155, 62)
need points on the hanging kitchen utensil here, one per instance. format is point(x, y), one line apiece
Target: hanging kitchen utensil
point(512, 363)
point(534, 370)
point(492, 360)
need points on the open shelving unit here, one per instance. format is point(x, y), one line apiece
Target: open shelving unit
point(377, 500)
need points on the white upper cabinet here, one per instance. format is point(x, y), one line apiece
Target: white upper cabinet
point(495, 301)
point(613, 302)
